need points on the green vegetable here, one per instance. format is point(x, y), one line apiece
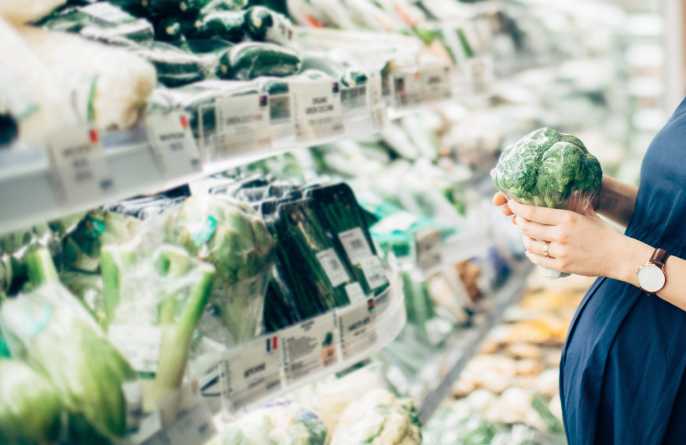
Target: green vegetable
point(547, 168)
point(30, 406)
point(9, 128)
point(175, 67)
point(50, 330)
point(264, 25)
point(247, 61)
point(226, 25)
point(350, 77)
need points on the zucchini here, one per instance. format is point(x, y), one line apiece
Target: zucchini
point(170, 8)
point(226, 25)
point(347, 76)
point(172, 29)
point(250, 60)
point(175, 67)
point(264, 25)
point(223, 5)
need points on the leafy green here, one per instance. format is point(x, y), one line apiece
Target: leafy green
point(548, 168)
point(30, 406)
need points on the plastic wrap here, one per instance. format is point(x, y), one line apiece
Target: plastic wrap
point(25, 11)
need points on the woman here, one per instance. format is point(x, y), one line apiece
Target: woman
point(622, 375)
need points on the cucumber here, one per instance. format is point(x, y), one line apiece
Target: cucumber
point(226, 25)
point(170, 8)
point(175, 67)
point(264, 25)
point(349, 77)
point(223, 5)
point(250, 60)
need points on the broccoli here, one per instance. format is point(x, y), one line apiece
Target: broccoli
point(546, 168)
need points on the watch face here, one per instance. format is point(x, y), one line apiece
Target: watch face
point(651, 278)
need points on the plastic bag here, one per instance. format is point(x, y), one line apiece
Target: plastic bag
point(25, 11)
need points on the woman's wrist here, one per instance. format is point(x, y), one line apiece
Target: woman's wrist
point(628, 256)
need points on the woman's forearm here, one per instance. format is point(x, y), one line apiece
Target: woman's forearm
point(633, 254)
point(617, 200)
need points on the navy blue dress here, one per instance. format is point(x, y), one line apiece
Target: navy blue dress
point(623, 370)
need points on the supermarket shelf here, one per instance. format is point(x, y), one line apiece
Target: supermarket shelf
point(466, 343)
point(39, 184)
point(281, 362)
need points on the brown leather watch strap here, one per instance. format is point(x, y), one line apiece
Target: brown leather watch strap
point(659, 258)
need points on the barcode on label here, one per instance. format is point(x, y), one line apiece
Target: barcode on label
point(355, 97)
point(333, 267)
point(355, 245)
point(280, 108)
point(373, 272)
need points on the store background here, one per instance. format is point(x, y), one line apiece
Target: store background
point(477, 361)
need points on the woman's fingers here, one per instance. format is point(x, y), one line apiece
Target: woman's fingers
point(538, 247)
point(500, 200)
point(535, 230)
point(544, 261)
point(541, 215)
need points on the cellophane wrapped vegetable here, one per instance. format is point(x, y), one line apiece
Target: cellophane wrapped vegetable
point(30, 406)
point(232, 237)
point(49, 329)
point(549, 169)
point(155, 295)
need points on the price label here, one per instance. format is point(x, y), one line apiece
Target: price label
point(193, 426)
point(354, 98)
point(172, 143)
point(139, 344)
point(354, 292)
point(355, 244)
point(428, 249)
point(437, 82)
point(309, 347)
point(382, 301)
point(376, 100)
point(333, 267)
point(373, 272)
point(79, 163)
point(356, 328)
point(281, 116)
point(251, 372)
point(408, 86)
point(319, 114)
point(242, 124)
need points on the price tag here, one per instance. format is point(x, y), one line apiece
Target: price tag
point(373, 272)
point(408, 86)
point(355, 244)
point(172, 143)
point(139, 344)
point(79, 163)
point(242, 124)
point(428, 249)
point(354, 292)
point(382, 301)
point(354, 98)
point(333, 267)
point(437, 82)
point(318, 110)
point(281, 116)
point(376, 100)
point(193, 426)
point(356, 328)
point(309, 347)
point(251, 372)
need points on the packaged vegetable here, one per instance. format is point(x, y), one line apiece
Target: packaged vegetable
point(30, 406)
point(265, 25)
point(249, 60)
point(175, 67)
point(226, 25)
point(49, 329)
point(110, 86)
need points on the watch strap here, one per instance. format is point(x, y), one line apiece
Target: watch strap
point(659, 258)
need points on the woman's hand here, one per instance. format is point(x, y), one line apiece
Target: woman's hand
point(567, 241)
point(500, 200)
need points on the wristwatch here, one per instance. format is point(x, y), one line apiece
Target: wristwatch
point(651, 276)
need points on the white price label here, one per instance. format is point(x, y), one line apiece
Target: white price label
point(309, 347)
point(437, 82)
point(318, 110)
point(428, 249)
point(356, 328)
point(408, 87)
point(373, 272)
point(251, 372)
point(354, 98)
point(376, 100)
point(382, 302)
point(172, 143)
point(192, 427)
point(333, 267)
point(139, 344)
point(355, 244)
point(354, 292)
point(79, 164)
point(242, 124)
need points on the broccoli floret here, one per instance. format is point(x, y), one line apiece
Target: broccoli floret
point(546, 168)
